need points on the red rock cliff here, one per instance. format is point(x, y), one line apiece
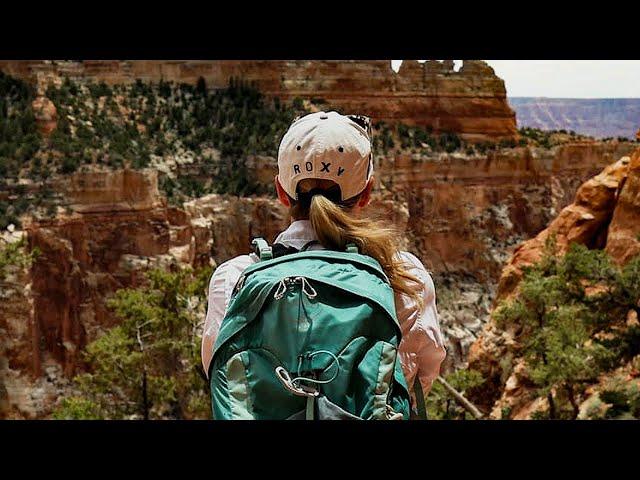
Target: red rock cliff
point(462, 213)
point(471, 102)
point(606, 215)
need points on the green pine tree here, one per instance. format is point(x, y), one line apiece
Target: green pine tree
point(563, 307)
point(148, 366)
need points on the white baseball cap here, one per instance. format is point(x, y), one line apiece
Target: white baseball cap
point(329, 146)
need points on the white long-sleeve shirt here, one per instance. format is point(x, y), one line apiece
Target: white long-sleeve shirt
point(421, 350)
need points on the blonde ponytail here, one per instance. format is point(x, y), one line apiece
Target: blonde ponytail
point(335, 226)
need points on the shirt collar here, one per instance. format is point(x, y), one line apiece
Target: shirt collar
point(299, 233)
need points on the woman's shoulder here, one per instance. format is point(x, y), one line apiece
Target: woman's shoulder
point(417, 268)
point(234, 266)
point(414, 263)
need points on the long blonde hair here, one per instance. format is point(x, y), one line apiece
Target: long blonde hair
point(336, 225)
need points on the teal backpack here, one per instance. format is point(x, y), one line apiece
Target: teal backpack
point(309, 335)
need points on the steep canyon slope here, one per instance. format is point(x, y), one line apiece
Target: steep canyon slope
point(470, 102)
point(112, 217)
point(462, 216)
point(604, 215)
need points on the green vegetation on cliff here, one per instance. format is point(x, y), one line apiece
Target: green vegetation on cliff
point(19, 137)
point(147, 367)
point(441, 405)
point(415, 139)
point(570, 319)
point(201, 140)
point(549, 138)
point(14, 255)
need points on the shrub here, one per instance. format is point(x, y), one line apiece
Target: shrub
point(560, 326)
point(148, 366)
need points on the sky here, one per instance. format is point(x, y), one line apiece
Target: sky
point(567, 78)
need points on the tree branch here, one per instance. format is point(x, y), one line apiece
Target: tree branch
point(466, 404)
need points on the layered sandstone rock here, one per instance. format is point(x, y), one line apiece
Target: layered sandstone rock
point(623, 239)
point(223, 226)
point(466, 213)
point(585, 221)
point(117, 227)
point(471, 102)
point(605, 215)
point(112, 214)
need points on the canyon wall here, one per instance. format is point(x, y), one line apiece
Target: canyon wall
point(470, 102)
point(463, 216)
point(117, 227)
point(605, 214)
point(465, 212)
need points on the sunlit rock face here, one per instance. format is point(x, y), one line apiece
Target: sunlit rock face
point(471, 102)
point(605, 214)
point(462, 216)
point(467, 213)
point(623, 239)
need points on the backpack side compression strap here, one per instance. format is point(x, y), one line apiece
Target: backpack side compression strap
point(420, 404)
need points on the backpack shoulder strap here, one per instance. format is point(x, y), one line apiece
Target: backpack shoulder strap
point(262, 249)
point(351, 248)
point(306, 246)
point(279, 249)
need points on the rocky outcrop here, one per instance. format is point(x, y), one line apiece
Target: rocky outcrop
point(223, 226)
point(623, 239)
point(45, 114)
point(585, 221)
point(86, 254)
point(605, 215)
point(467, 213)
point(117, 227)
point(471, 102)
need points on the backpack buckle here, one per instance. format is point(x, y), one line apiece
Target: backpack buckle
point(351, 248)
point(301, 391)
point(262, 249)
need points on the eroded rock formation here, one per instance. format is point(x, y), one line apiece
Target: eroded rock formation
point(45, 114)
point(462, 215)
point(118, 227)
point(585, 221)
point(465, 213)
point(471, 102)
point(623, 239)
point(605, 215)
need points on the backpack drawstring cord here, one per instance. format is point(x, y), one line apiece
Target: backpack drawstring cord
point(291, 384)
point(307, 288)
